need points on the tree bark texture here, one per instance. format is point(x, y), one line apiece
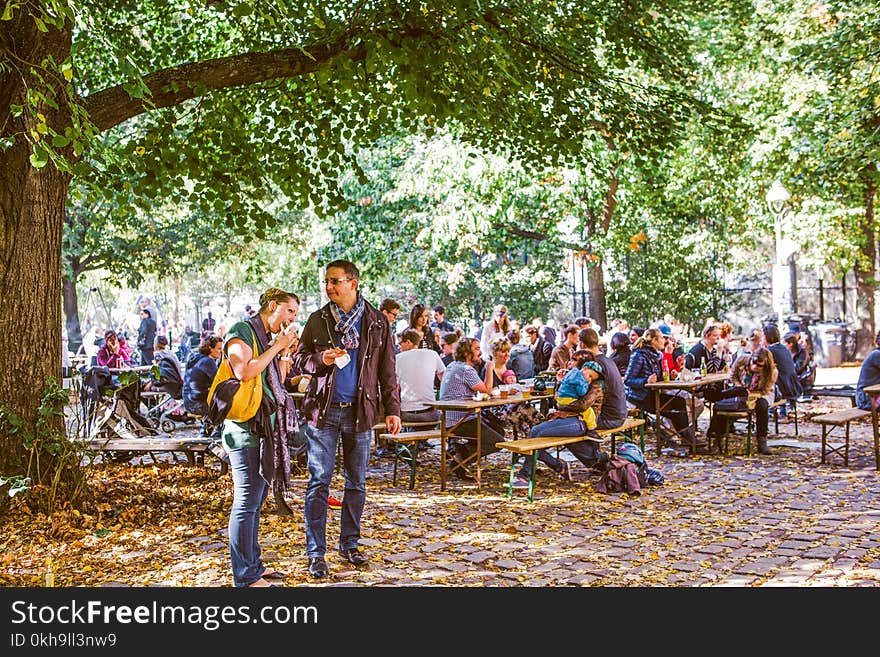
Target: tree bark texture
point(70, 303)
point(866, 278)
point(31, 218)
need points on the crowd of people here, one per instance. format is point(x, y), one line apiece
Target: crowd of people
point(363, 364)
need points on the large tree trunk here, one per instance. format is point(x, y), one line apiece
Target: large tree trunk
point(31, 218)
point(865, 278)
point(71, 314)
point(598, 310)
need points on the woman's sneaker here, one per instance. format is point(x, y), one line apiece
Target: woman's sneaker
point(334, 503)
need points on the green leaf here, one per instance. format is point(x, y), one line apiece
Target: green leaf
point(60, 141)
point(244, 9)
point(39, 157)
point(7, 12)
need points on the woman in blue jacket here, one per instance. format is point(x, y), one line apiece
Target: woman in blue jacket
point(201, 366)
point(644, 367)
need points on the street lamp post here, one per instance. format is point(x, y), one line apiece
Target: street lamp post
point(783, 267)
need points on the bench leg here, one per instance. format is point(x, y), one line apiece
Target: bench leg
point(513, 461)
point(846, 448)
point(749, 418)
point(534, 474)
point(414, 455)
point(824, 441)
point(396, 456)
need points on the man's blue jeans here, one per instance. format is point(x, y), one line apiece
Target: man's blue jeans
point(249, 493)
point(339, 424)
point(585, 451)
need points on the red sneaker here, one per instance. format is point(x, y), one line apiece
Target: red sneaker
point(333, 503)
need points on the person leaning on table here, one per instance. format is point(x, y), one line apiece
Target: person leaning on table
point(461, 381)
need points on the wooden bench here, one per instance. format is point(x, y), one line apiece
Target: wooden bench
point(379, 428)
point(749, 417)
point(529, 447)
point(407, 445)
point(847, 391)
point(838, 419)
point(189, 446)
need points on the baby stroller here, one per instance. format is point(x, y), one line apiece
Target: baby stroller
point(111, 408)
point(165, 409)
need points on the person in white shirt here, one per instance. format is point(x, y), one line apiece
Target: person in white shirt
point(496, 327)
point(416, 369)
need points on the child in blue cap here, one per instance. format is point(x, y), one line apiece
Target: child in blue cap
point(585, 379)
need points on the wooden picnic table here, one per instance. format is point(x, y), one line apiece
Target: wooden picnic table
point(691, 386)
point(472, 407)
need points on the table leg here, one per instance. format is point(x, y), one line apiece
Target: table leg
point(694, 425)
point(874, 423)
point(479, 443)
point(657, 421)
point(444, 437)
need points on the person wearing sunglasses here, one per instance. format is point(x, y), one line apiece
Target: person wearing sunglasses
point(753, 387)
point(496, 327)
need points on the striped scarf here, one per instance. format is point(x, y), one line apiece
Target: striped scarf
point(347, 323)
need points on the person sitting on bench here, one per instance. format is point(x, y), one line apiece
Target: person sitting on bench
point(579, 401)
point(754, 383)
point(869, 375)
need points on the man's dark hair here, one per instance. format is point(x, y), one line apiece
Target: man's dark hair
point(410, 335)
point(439, 309)
point(569, 329)
point(450, 337)
point(465, 349)
point(619, 341)
point(589, 338)
point(389, 305)
point(208, 342)
point(771, 334)
point(582, 321)
point(348, 267)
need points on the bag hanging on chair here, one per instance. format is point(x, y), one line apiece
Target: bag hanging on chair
point(232, 399)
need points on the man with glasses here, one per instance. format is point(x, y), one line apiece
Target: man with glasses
point(391, 309)
point(348, 349)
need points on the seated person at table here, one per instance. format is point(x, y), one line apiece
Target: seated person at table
point(579, 399)
point(644, 367)
point(522, 360)
point(706, 349)
point(461, 381)
point(111, 354)
point(516, 419)
point(788, 386)
point(201, 367)
point(869, 375)
point(170, 379)
point(584, 378)
point(803, 364)
point(753, 379)
point(417, 368)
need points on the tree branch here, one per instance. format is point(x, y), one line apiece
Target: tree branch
point(172, 86)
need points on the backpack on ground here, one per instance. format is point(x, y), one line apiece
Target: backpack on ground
point(647, 476)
